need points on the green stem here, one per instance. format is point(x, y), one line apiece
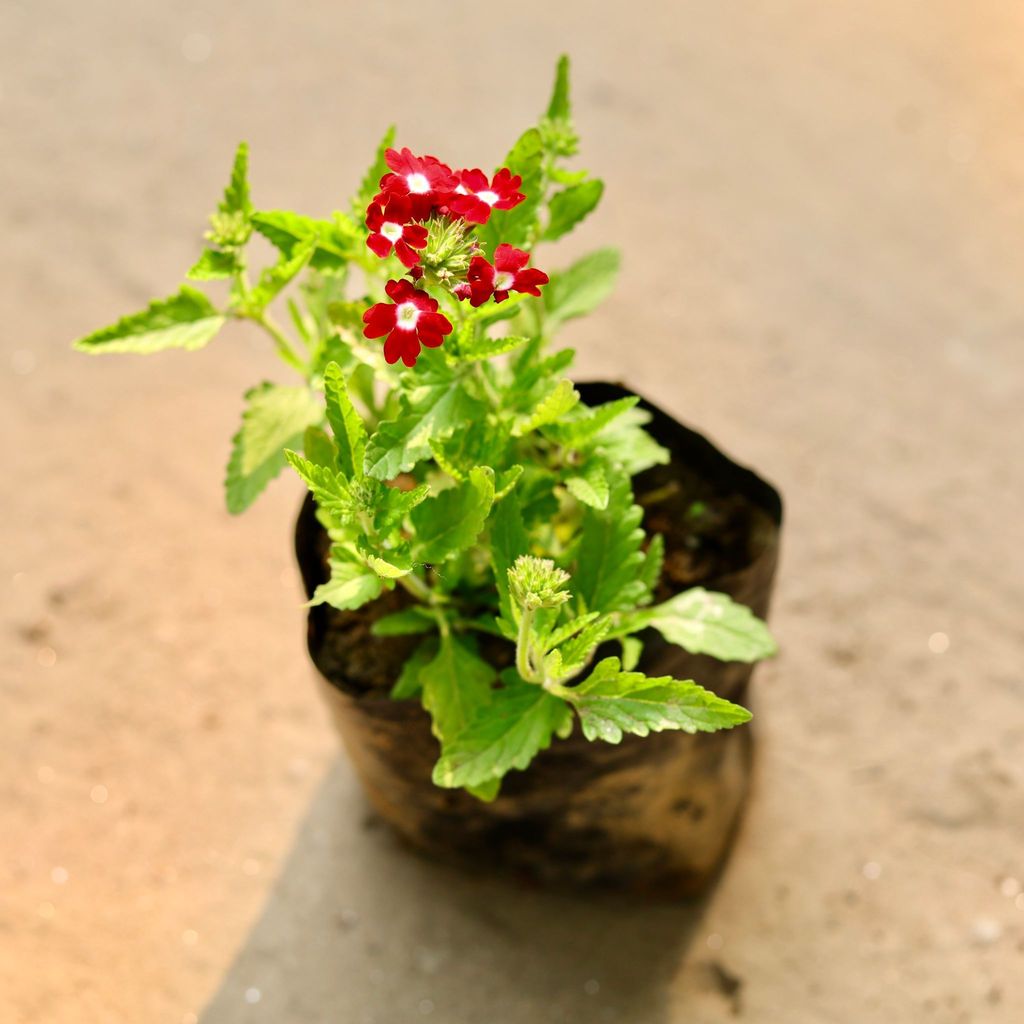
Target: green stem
point(284, 348)
point(418, 588)
point(524, 663)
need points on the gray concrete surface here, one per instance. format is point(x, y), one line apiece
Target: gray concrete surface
point(820, 209)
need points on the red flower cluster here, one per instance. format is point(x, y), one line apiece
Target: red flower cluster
point(416, 189)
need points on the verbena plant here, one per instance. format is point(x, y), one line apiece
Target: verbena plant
point(472, 476)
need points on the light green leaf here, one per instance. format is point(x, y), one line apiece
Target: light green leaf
point(554, 405)
point(508, 541)
point(214, 264)
point(654, 560)
point(506, 734)
point(612, 702)
point(370, 185)
point(394, 504)
point(450, 522)
point(408, 683)
point(582, 288)
point(334, 239)
point(319, 448)
point(455, 684)
point(187, 320)
point(407, 622)
point(704, 622)
point(328, 486)
point(346, 423)
point(274, 418)
point(559, 108)
point(626, 443)
point(487, 348)
point(275, 278)
point(590, 486)
point(568, 207)
point(607, 574)
point(351, 584)
point(514, 226)
point(236, 194)
point(589, 422)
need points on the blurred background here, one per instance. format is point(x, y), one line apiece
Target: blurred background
point(820, 212)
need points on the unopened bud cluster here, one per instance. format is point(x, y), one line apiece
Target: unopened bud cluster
point(537, 583)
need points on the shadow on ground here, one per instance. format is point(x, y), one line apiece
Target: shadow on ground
point(358, 930)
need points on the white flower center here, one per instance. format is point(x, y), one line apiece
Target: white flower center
point(461, 190)
point(391, 231)
point(406, 316)
point(503, 281)
point(489, 197)
point(417, 184)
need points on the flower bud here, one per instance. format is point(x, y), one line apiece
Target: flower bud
point(537, 583)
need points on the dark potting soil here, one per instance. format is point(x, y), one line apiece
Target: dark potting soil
point(709, 533)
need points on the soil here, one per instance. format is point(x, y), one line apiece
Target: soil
point(820, 212)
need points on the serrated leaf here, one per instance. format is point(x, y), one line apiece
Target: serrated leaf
point(506, 480)
point(487, 348)
point(213, 264)
point(407, 622)
point(456, 683)
point(285, 230)
point(608, 558)
point(555, 404)
point(582, 288)
point(654, 560)
point(370, 184)
point(612, 702)
point(394, 504)
point(433, 409)
point(570, 629)
point(391, 564)
point(408, 683)
point(351, 584)
point(186, 320)
point(589, 422)
point(625, 443)
point(236, 194)
point(559, 106)
point(518, 723)
point(705, 622)
point(449, 523)
point(575, 652)
point(275, 418)
point(319, 448)
point(514, 226)
point(274, 279)
point(590, 486)
point(568, 207)
point(346, 424)
point(508, 540)
point(327, 484)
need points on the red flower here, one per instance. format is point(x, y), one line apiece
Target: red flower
point(389, 227)
point(424, 179)
point(474, 197)
point(411, 319)
point(508, 274)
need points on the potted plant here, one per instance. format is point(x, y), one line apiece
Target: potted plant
point(514, 580)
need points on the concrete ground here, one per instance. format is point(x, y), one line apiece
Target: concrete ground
point(821, 209)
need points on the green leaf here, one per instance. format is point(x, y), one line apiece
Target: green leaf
point(514, 226)
point(450, 522)
point(186, 320)
point(632, 649)
point(275, 278)
point(370, 185)
point(408, 683)
point(625, 443)
point(559, 108)
point(589, 422)
point(455, 684)
point(704, 622)
point(390, 564)
point(612, 702)
point(654, 560)
point(508, 540)
point(328, 486)
point(590, 486)
point(505, 734)
point(346, 423)
point(407, 622)
point(394, 504)
point(487, 348)
point(213, 265)
point(609, 560)
point(434, 407)
point(236, 194)
point(319, 448)
point(582, 288)
point(334, 239)
point(568, 207)
point(552, 407)
point(274, 418)
point(351, 585)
